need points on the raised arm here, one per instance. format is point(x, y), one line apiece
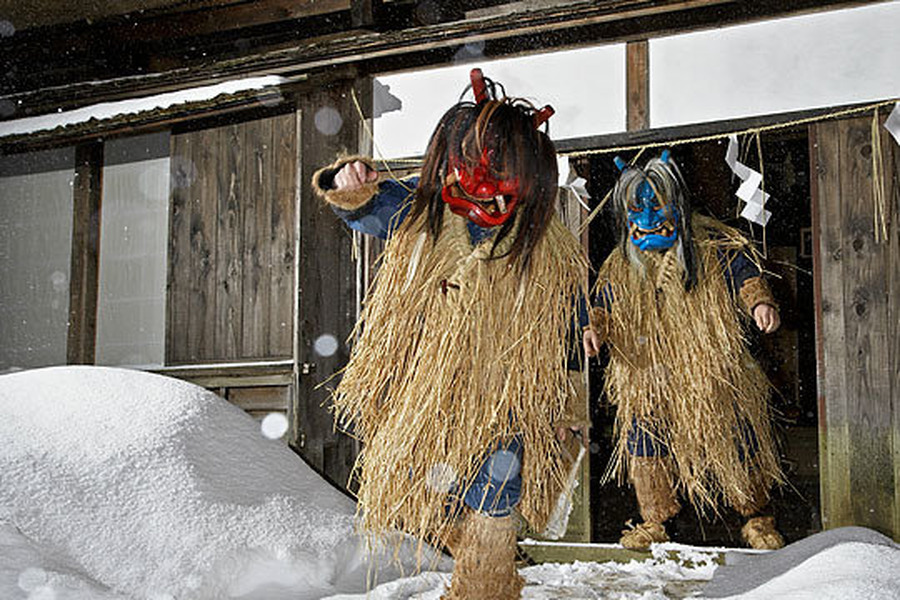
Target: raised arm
point(357, 194)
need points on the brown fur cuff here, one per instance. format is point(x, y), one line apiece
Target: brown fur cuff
point(347, 200)
point(756, 291)
point(599, 322)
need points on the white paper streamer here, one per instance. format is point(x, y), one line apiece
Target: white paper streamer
point(749, 191)
point(571, 182)
point(893, 123)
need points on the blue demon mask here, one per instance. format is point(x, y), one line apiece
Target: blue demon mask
point(653, 220)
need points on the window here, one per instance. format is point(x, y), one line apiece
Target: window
point(133, 249)
point(782, 65)
point(586, 87)
point(35, 247)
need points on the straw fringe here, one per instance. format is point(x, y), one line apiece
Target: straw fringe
point(453, 357)
point(680, 366)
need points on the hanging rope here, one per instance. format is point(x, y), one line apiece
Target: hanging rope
point(878, 196)
point(762, 187)
point(379, 154)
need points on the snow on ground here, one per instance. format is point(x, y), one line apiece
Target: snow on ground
point(128, 482)
point(122, 485)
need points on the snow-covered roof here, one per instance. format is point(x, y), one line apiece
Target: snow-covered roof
point(121, 108)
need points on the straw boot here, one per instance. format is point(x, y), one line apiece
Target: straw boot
point(657, 501)
point(485, 555)
point(758, 532)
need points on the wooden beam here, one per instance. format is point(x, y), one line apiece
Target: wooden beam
point(637, 85)
point(664, 135)
point(558, 26)
point(892, 193)
point(85, 260)
point(330, 126)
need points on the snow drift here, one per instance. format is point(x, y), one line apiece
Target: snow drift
point(157, 489)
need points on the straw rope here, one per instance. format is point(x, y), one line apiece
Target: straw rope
point(879, 197)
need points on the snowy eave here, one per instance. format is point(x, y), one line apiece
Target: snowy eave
point(18, 129)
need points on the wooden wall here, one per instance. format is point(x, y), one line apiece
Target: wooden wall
point(231, 244)
point(858, 336)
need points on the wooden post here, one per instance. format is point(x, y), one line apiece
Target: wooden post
point(856, 332)
point(637, 84)
point(329, 127)
point(892, 192)
point(85, 260)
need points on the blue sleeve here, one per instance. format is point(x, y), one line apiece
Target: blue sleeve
point(381, 215)
point(738, 268)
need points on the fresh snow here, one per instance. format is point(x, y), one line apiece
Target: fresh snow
point(150, 487)
point(123, 485)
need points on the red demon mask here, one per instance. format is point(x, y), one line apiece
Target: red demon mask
point(476, 191)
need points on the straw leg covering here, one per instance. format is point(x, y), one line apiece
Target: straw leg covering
point(756, 498)
point(485, 555)
point(654, 488)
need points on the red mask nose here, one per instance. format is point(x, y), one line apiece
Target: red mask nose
point(479, 189)
point(478, 181)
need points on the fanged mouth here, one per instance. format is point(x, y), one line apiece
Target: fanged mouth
point(664, 230)
point(495, 206)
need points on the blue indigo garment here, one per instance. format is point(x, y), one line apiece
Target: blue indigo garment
point(643, 442)
point(497, 487)
point(381, 216)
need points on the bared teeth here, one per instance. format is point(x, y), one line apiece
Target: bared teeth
point(664, 230)
point(501, 203)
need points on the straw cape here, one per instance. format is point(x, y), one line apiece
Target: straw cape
point(680, 367)
point(458, 350)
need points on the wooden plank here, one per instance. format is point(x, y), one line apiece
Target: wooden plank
point(283, 239)
point(229, 236)
point(255, 193)
point(260, 399)
point(182, 175)
point(239, 252)
point(145, 122)
point(204, 203)
point(84, 273)
point(827, 265)
point(195, 16)
point(216, 19)
point(637, 85)
point(857, 366)
point(866, 343)
point(563, 552)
